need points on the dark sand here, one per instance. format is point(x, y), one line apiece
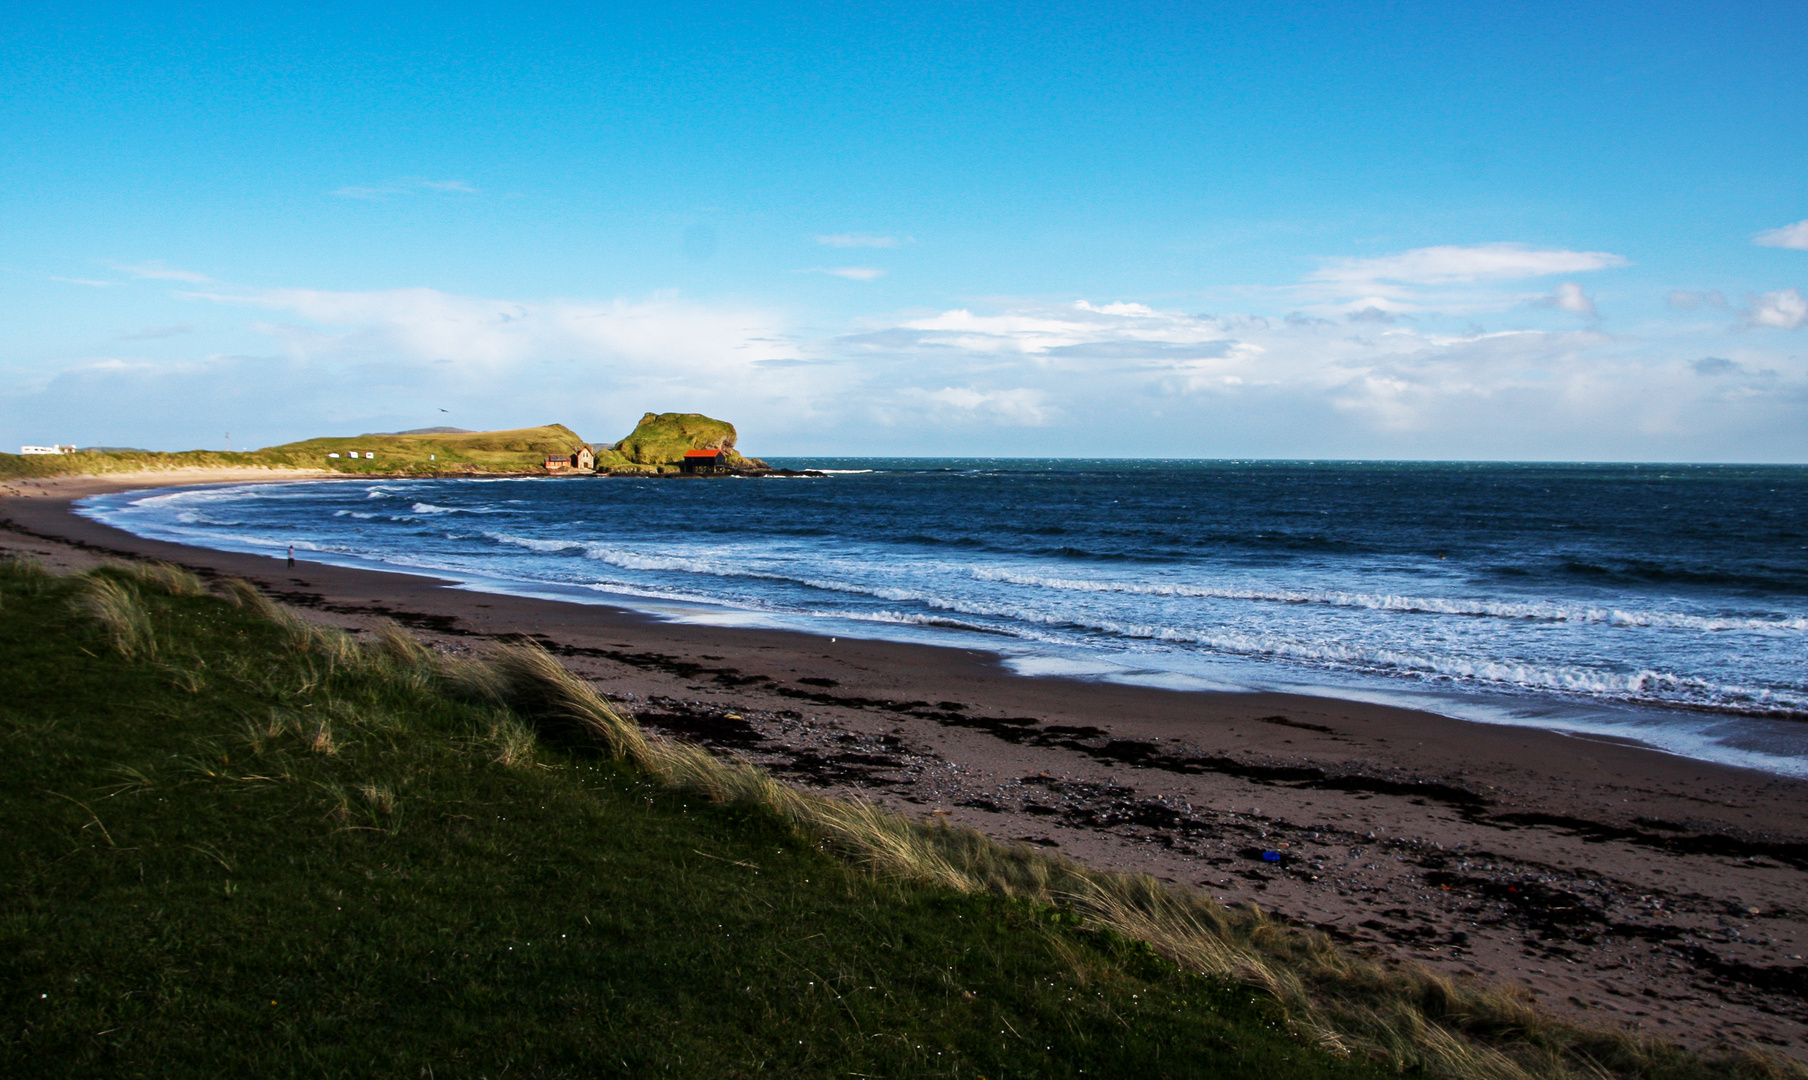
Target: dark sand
point(1618, 883)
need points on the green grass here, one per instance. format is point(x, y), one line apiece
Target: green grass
point(252, 848)
point(664, 438)
point(522, 450)
point(656, 445)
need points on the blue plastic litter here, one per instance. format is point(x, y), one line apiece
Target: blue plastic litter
point(1271, 856)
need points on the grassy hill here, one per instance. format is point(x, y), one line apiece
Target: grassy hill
point(520, 450)
point(237, 845)
point(664, 438)
point(656, 445)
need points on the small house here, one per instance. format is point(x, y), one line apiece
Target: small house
point(582, 461)
point(705, 461)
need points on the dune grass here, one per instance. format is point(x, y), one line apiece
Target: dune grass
point(885, 946)
point(237, 843)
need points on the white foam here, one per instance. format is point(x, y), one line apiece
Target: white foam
point(1549, 611)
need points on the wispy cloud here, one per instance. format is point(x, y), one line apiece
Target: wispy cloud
point(1788, 236)
point(1447, 278)
point(852, 273)
point(152, 332)
point(1449, 264)
point(90, 282)
point(1014, 406)
point(158, 270)
point(862, 240)
point(665, 336)
point(405, 186)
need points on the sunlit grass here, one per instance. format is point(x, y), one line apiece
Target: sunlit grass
point(269, 771)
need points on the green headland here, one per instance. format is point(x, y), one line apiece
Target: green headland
point(656, 446)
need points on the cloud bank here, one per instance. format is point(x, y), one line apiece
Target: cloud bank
point(1371, 368)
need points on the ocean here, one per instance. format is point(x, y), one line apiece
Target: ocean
point(1662, 603)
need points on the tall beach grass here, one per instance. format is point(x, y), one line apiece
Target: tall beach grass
point(1399, 1014)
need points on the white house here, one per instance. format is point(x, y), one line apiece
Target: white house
point(46, 449)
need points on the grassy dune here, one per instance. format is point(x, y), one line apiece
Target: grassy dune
point(238, 845)
point(241, 843)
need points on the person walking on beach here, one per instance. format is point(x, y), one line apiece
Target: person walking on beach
point(291, 556)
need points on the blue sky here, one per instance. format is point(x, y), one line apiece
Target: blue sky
point(1382, 230)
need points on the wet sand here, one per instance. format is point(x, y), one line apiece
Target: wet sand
point(1617, 883)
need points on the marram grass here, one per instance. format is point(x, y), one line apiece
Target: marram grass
point(315, 716)
point(1403, 1015)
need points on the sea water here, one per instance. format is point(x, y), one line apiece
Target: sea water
point(1663, 603)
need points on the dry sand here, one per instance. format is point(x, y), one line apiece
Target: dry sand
point(1616, 882)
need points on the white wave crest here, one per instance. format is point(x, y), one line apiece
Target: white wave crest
point(1500, 609)
point(533, 544)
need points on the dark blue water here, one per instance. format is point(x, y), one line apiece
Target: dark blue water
point(1667, 603)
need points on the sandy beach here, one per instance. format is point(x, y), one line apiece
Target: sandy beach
point(1615, 882)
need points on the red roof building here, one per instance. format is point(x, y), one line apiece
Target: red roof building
point(704, 461)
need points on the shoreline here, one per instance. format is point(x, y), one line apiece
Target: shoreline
point(1616, 881)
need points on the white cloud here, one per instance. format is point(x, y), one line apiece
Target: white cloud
point(1784, 309)
point(861, 240)
point(1015, 407)
point(90, 282)
point(661, 338)
point(1449, 264)
point(1570, 297)
point(1449, 279)
point(157, 270)
point(1789, 236)
point(851, 273)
